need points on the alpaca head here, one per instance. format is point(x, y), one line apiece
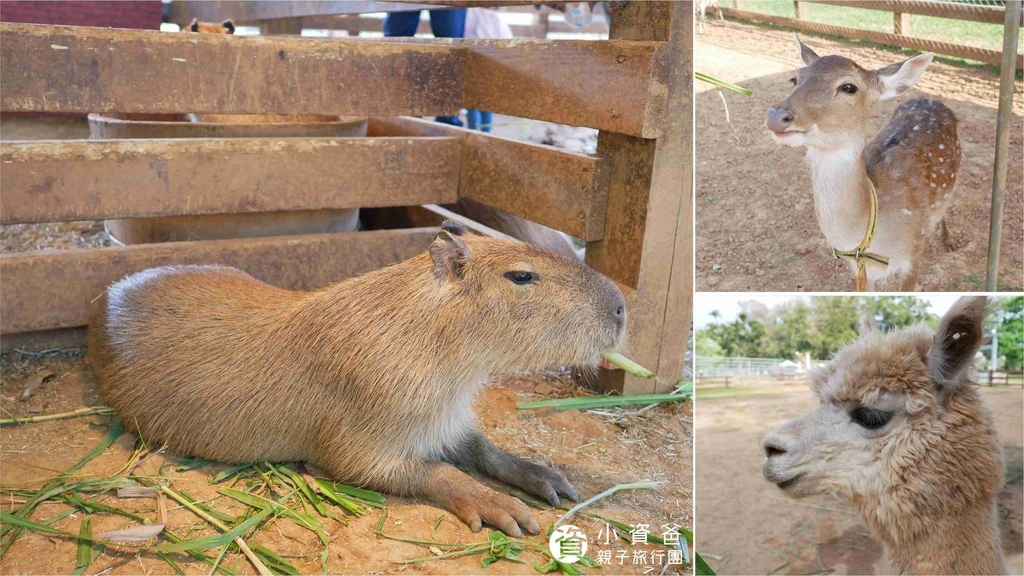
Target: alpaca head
point(900, 431)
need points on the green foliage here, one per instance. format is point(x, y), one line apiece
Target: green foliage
point(1008, 321)
point(819, 325)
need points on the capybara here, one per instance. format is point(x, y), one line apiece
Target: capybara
point(371, 379)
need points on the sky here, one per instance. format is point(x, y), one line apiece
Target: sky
point(728, 304)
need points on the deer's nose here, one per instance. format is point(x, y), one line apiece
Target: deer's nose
point(779, 119)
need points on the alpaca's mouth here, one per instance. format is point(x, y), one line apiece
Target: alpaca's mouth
point(787, 483)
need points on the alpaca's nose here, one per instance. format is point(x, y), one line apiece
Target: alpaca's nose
point(778, 119)
point(774, 445)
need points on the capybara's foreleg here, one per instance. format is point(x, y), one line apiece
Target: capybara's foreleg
point(481, 454)
point(460, 494)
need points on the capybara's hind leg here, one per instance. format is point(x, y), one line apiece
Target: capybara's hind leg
point(480, 454)
point(472, 502)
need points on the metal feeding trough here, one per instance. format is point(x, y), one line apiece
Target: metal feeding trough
point(221, 226)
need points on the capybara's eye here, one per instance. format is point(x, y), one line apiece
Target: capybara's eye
point(848, 88)
point(870, 418)
point(521, 277)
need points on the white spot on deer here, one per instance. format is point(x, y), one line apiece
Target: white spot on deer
point(917, 127)
point(179, 59)
point(58, 47)
point(942, 146)
point(905, 211)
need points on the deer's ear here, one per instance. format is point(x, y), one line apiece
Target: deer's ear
point(806, 55)
point(194, 25)
point(896, 78)
point(450, 255)
point(956, 341)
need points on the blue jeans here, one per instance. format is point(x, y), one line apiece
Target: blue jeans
point(479, 120)
point(443, 23)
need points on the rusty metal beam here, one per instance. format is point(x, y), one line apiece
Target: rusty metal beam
point(50, 290)
point(48, 181)
point(72, 69)
point(563, 190)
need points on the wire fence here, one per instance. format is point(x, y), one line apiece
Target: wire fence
point(717, 371)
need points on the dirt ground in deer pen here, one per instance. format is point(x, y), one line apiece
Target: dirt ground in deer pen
point(746, 526)
point(595, 452)
point(756, 227)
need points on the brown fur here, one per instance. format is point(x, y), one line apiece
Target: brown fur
point(926, 482)
point(370, 379)
point(912, 162)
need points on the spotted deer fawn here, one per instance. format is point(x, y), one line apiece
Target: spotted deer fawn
point(876, 203)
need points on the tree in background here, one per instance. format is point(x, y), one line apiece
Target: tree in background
point(892, 312)
point(1008, 320)
point(819, 325)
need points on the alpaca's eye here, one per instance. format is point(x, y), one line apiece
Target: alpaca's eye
point(870, 418)
point(521, 277)
point(793, 81)
point(848, 88)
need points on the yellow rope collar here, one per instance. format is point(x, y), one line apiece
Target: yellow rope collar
point(860, 255)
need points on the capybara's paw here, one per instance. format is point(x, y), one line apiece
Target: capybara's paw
point(543, 482)
point(504, 512)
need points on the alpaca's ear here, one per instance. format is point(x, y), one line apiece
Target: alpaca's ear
point(866, 324)
point(956, 341)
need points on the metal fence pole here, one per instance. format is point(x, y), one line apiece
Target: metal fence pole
point(1008, 69)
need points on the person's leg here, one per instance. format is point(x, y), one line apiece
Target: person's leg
point(486, 121)
point(448, 24)
point(472, 119)
point(401, 23)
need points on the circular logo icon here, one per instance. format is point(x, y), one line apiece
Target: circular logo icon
point(567, 544)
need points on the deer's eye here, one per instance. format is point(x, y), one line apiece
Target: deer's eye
point(793, 81)
point(870, 418)
point(848, 88)
point(521, 277)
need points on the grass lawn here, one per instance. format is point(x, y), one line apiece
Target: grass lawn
point(956, 31)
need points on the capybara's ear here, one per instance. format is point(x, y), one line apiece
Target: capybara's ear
point(228, 25)
point(194, 26)
point(450, 255)
point(955, 343)
point(455, 228)
point(866, 323)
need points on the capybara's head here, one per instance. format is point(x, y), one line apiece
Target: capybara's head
point(225, 27)
point(525, 307)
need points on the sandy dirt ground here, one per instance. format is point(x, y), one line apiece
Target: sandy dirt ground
point(756, 227)
point(594, 452)
point(746, 526)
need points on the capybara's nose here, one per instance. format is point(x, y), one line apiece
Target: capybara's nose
point(774, 445)
point(779, 119)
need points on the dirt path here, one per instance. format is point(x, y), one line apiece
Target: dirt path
point(756, 228)
point(747, 525)
point(594, 452)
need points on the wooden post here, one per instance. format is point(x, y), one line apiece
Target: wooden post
point(901, 23)
point(281, 27)
point(799, 10)
point(647, 241)
point(740, 4)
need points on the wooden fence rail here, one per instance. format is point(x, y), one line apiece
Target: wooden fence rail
point(52, 181)
point(899, 39)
